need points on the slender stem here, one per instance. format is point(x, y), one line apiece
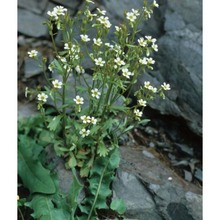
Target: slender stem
point(20, 212)
point(97, 192)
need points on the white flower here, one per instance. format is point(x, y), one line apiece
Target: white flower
point(150, 40)
point(79, 69)
point(59, 10)
point(136, 13)
point(84, 37)
point(103, 12)
point(97, 42)
point(143, 61)
point(154, 47)
point(150, 61)
point(85, 119)
point(95, 93)
point(105, 21)
point(84, 132)
point(78, 100)
point(126, 73)
point(93, 120)
point(117, 28)
point(66, 46)
point(42, 97)
point(166, 86)
point(146, 61)
point(142, 42)
point(32, 53)
point(138, 113)
point(89, 1)
point(153, 89)
point(57, 84)
point(99, 62)
point(109, 45)
point(131, 16)
point(155, 4)
point(119, 62)
point(142, 102)
point(146, 84)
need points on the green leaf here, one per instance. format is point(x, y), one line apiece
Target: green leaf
point(34, 176)
point(44, 209)
point(118, 205)
point(72, 162)
point(54, 123)
point(74, 192)
point(102, 150)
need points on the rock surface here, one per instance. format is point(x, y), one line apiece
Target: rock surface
point(151, 190)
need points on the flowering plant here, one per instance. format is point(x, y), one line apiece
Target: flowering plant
point(86, 127)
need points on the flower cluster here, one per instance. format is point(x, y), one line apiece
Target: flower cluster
point(57, 11)
point(148, 86)
point(148, 42)
point(132, 16)
point(87, 120)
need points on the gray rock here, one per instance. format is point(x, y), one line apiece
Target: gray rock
point(33, 5)
point(139, 203)
point(158, 195)
point(191, 11)
point(27, 110)
point(31, 68)
point(31, 24)
point(67, 3)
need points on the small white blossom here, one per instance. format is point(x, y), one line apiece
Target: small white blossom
point(143, 61)
point(142, 42)
point(93, 120)
point(99, 62)
point(136, 13)
point(84, 132)
point(150, 61)
point(89, 1)
point(79, 69)
point(97, 42)
point(103, 12)
point(85, 119)
point(155, 4)
point(32, 53)
point(142, 102)
point(42, 97)
point(105, 21)
point(131, 16)
point(57, 84)
point(154, 47)
point(109, 45)
point(66, 46)
point(146, 84)
point(166, 86)
point(153, 89)
point(138, 113)
point(57, 11)
point(117, 28)
point(127, 73)
point(78, 100)
point(119, 62)
point(95, 93)
point(84, 37)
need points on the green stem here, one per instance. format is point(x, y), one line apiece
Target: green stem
point(97, 192)
point(106, 100)
point(20, 212)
